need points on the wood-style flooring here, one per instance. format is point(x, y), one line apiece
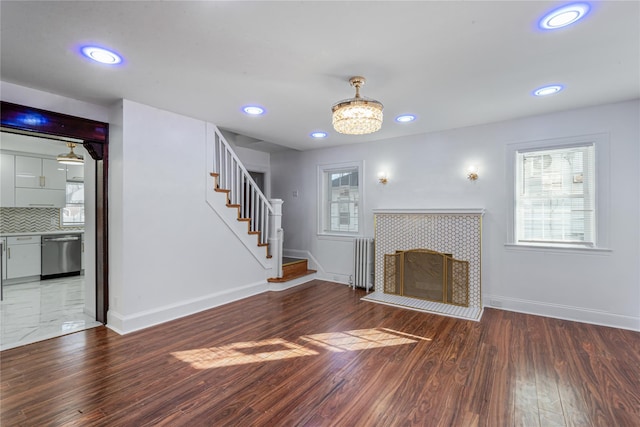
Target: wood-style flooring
point(316, 355)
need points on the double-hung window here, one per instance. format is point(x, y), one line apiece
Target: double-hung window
point(339, 197)
point(559, 191)
point(73, 212)
point(555, 196)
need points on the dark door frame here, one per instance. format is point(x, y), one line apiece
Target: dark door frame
point(95, 136)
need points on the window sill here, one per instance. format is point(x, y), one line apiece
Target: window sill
point(566, 249)
point(338, 237)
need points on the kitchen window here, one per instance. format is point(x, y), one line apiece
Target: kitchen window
point(73, 212)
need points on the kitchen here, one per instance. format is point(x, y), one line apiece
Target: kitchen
point(45, 292)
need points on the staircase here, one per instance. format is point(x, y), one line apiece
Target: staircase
point(292, 268)
point(261, 242)
point(255, 220)
point(244, 203)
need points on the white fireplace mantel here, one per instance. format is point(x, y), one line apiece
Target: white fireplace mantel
point(455, 231)
point(439, 211)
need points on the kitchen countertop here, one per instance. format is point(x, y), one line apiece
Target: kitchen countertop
point(42, 233)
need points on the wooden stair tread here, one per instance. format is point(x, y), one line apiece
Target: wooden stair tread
point(238, 207)
point(286, 278)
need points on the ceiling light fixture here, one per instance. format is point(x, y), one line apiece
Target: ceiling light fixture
point(563, 16)
point(357, 115)
point(101, 55)
point(253, 110)
point(318, 134)
point(405, 118)
point(70, 158)
point(548, 90)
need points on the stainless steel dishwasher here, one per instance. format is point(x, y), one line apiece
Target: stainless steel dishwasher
point(61, 255)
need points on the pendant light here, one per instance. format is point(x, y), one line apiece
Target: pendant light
point(70, 158)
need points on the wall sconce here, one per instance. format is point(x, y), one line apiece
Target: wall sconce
point(382, 177)
point(472, 172)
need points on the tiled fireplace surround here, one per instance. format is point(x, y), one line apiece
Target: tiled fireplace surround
point(452, 231)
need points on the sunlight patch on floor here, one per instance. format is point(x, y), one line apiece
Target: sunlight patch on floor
point(361, 339)
point(243, 353)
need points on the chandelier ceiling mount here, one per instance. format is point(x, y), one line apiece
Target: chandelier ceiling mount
point(357, 115)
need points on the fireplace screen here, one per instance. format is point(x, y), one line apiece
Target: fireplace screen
point(429, 275)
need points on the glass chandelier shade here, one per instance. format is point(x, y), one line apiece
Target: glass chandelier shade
point(70, 158)
point(357, 115)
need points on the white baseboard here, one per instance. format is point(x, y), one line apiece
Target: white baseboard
point(564, 312)
point(291, 283)
point(134, 322)
point(336, 278)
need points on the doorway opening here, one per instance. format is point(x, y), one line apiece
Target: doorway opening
point(93, 137)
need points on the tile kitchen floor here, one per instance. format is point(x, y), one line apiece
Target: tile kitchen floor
point(40, 310)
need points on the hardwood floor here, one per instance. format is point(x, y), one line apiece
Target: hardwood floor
point(316, 355)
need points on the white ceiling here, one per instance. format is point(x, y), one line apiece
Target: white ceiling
point(452, 63)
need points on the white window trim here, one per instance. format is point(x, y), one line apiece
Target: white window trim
point(602, 189)
point(322, 169)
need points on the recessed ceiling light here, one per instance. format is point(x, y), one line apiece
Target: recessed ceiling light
point(563, 16)
point(318, 134)
point(548, 90)
point(253, 110)
point(101, 55)
point(405, 118)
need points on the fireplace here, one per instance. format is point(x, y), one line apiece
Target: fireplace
point(448, 235)
point(426, 274)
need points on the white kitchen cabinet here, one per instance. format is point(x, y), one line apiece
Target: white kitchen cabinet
point(39, 182)
point(75, 172)
point(28, 172)
point(55, 174)
point(23, 256)
point(7, 178)
point(35, 172)
point(40, 198)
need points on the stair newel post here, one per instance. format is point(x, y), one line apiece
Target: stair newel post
point(275, 235)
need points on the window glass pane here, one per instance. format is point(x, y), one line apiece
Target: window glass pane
point(73, 212)
point(555, 198)
point(75, 193)
point(73, 215)
point(341, 202)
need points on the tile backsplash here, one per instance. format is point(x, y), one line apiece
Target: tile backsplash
point(19, 220)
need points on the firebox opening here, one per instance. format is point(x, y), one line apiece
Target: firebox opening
point(428, 275)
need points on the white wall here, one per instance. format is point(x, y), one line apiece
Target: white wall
point(49, 101)
point(170, 254)
point(256, 161)
point(429, 171)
